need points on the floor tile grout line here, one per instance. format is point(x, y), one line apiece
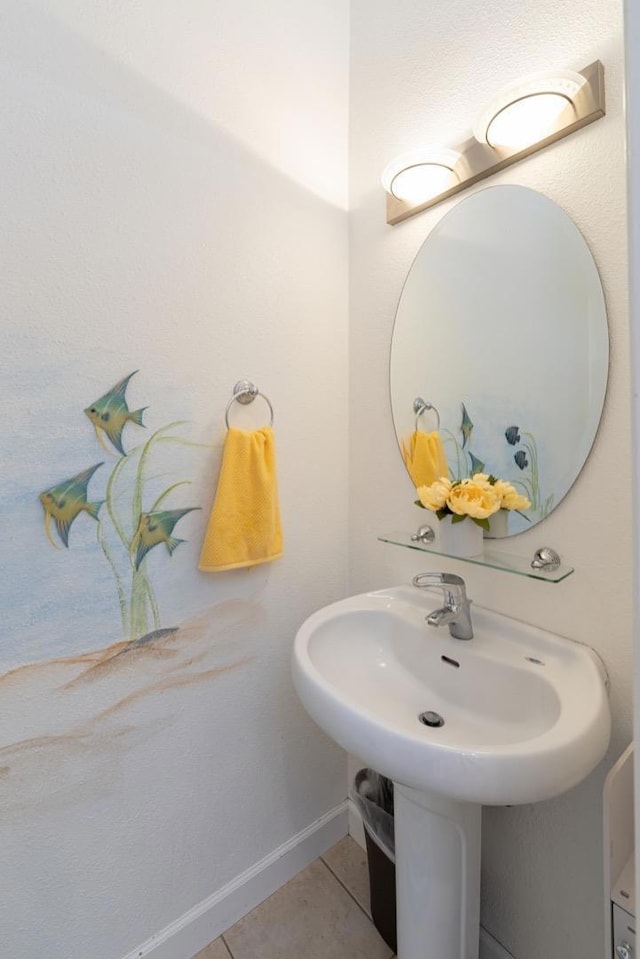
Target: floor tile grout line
point(346, 889)
point(340, 883)
point(392, 955)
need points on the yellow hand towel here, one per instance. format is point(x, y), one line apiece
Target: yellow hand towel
point(244, 526)
point(425, 458)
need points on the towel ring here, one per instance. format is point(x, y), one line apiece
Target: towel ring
point(245, 392)
point(420, 406)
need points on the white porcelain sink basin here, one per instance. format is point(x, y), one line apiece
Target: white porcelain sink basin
point(526, 714)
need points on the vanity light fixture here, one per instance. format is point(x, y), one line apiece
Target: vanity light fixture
point(522, 119)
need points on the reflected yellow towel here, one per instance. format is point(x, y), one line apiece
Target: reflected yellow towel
point(244, 526)
point(425, 458)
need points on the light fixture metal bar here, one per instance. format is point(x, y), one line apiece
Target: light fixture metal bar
point(482, 160)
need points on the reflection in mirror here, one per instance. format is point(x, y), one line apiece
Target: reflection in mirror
point(501, 327)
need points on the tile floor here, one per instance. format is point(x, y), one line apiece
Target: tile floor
point(322, 913)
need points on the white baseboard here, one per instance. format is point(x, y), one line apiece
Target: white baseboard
point(203, 923)
point(490, 948)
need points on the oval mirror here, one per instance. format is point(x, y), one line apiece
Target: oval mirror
point(502, 328)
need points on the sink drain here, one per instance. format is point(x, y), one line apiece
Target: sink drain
point(431, 719)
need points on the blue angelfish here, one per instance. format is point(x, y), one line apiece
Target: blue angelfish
point(110, 413)
point(64, 502)
point(512, 434)
point(155, 528)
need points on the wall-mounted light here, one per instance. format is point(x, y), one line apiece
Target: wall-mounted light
point(527, 112)
point(422, 174)
point(520, 120)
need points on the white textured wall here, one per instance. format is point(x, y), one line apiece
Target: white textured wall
point(421, 72)
point(632, 38)
point(173, 183)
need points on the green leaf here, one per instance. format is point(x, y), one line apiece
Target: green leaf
point(418, 503)
point(457, 518)
point(441, 513)
point(482, 523)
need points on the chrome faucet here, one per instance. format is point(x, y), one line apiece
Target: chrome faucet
point(456, 612)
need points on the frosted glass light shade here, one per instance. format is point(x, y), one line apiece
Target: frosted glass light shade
point(529, 111)
point(419, 176)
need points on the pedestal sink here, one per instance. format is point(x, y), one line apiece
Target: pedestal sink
point(519, 715)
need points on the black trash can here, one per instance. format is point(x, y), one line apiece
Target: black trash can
point(373, 795)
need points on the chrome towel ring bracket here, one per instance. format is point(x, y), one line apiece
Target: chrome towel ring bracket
point(421, 406)
point(245, 392)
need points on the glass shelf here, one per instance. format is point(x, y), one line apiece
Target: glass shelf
point(489, 557)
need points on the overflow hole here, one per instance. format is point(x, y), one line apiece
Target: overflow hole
point(451, 662)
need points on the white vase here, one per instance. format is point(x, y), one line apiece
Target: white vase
point(498, 525)
point(460, 539)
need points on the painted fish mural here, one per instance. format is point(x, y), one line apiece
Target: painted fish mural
point(512, 435)
point(64, 502)
point(110, 413)
point(124, 535)
point(466, 427)
point(155, 528)
point(465, 462)
point(477, 465)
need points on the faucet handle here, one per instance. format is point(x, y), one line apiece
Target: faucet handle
point(437, 580)
point(456, 612)
point(453, 587)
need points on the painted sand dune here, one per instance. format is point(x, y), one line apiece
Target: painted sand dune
point(70, 718)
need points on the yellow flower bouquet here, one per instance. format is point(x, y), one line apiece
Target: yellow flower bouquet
point(478, 497)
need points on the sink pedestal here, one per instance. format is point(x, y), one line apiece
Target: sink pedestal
point(437, 875)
